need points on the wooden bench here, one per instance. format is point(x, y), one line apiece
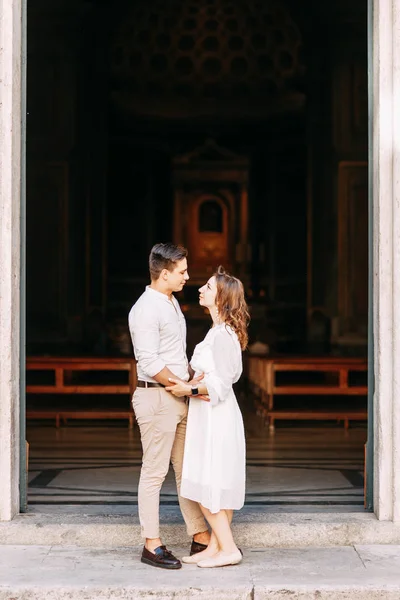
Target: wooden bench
point(261, 372)
point(321, 414)
point(63, 370)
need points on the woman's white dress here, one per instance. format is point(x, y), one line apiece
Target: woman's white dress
point(214, 464)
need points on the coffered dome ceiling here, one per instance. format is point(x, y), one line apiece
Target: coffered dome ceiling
point(180, 58)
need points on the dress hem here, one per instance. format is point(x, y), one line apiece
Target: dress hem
point(212, 511)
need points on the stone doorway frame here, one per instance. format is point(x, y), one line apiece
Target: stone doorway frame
point(384, 72)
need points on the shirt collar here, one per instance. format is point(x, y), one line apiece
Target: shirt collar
point(160, 295)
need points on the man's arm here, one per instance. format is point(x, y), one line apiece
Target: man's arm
point(145, 334)
point(144, 328)
point(164, 376)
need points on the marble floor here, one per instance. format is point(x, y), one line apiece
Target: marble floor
point(316, 468)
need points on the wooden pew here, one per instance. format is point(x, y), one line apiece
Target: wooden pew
point(63, 370)
point(261, 372)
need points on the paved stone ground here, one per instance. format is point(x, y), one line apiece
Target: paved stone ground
point(334, 573)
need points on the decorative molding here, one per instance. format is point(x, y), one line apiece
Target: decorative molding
point(210, 153)
point(191, 57)
point(350, 107)
point(352, 252)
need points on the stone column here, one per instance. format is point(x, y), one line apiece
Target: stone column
point(10, 178)
point(386, 256)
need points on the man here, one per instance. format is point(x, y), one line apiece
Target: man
point(158, 331)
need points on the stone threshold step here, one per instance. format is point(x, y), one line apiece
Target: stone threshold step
point(257, 530)
point(71, 573)
point(374, 591)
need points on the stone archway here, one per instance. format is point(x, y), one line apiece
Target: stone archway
point(385, 223)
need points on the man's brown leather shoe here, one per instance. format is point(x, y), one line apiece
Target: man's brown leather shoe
point(196, 547)
point(161, 557)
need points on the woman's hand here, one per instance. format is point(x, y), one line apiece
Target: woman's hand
point(196, 380)
point(202, 397)
point(180, 388)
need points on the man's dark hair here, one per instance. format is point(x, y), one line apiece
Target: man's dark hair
point(165, 256)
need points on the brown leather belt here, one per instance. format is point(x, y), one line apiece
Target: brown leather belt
point(149, 384)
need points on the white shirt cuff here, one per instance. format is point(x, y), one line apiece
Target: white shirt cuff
point(154, 367)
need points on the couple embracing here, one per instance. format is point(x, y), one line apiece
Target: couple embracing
point(188, 413)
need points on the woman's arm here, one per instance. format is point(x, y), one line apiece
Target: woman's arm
point(219, 362)
point(223, 360)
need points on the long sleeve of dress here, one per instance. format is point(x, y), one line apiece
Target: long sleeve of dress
point(220, 365)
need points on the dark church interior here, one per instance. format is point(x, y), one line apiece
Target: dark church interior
point(238, 128)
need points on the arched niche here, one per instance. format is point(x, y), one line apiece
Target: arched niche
point(209, 228)
point(210, 209)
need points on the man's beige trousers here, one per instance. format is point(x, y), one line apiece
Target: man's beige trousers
point(162, 421)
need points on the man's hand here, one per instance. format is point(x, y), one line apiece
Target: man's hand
point(179, 388)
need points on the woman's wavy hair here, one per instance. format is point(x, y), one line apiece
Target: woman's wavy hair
point(231, 304)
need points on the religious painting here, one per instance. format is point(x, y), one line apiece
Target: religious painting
point(209, 232)
point(210, 217)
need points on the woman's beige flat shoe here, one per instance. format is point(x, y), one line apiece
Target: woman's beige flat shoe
point(193, 559)
point(190, 560)
point(221, 561)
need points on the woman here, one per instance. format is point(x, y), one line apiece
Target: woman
point(214, 459)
